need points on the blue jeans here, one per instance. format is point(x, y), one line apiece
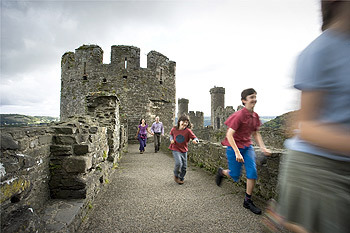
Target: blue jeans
point(142, 140)
point(180, 164)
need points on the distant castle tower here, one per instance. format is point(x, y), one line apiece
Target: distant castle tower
point(143, 92)
point(217, 100)
point(182, 107)
point(197, 119)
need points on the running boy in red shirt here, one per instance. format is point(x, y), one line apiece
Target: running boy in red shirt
point(180, 135)
point(240, 126)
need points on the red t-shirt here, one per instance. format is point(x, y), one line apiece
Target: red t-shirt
point(244, 123)
point(181, 138)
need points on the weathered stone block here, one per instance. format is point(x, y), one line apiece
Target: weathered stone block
point(7, 143)
point(23, 219)
point(64, 140)
point(64, 130)
point(73, 183)
point(81, 149)
point(44, 140)
point(33, 143)
point(77, 164)
point(69, 194)
point(93, 130)
point(61, 150)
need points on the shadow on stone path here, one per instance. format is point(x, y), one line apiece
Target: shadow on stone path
point(143, 197)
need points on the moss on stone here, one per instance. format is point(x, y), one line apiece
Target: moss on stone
point(104, 154)
point(15, 187)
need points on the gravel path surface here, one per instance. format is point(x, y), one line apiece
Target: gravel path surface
point(143, 197)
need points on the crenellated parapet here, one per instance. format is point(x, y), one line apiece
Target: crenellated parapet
point(143, 92)
point(197, 119)
point(125, 57)
point(221, 115)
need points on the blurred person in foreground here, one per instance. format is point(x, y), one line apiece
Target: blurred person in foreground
point(314, 182)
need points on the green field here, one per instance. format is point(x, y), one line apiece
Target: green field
point(23, 120)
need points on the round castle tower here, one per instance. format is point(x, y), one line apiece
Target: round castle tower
point(182, 107)
point(217, 100)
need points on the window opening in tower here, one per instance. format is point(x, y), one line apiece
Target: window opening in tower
point(84, 74)
point(218, 122)
point(161, 76)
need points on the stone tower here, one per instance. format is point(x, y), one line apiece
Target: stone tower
point(217, 100)
point(143, 92)
point(182, 107)
point(197, 119)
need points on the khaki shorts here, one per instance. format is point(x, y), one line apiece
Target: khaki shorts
point(314, 192)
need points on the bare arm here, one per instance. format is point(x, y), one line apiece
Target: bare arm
point(138, 130)
point(231, 140)
point(260, 142)
point(329, 136)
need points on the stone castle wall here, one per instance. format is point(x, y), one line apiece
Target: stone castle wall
point(211, 156)
point(217, 100)
point(182, 107)
point(24, 168)
point(70, 159)
point(197, 119)
point(221, 115)
point(143, 92)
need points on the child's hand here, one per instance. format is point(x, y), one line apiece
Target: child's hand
point(239, 157)
point(266, 152)
point(172, 142)
point(195, 141)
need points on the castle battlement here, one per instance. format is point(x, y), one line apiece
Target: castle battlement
point(143, 92)
point(122, 57)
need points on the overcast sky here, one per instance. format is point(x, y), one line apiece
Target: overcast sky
point(235, 44)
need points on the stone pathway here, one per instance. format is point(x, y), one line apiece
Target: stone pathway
point(143, 197)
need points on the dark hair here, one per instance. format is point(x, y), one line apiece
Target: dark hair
point(247, 92)
point(141, 121)
point(184, 118)
point(329, 12)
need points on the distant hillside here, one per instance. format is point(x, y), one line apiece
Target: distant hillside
point(280, 122)
point(23, 120)
point(285, 123)
point(263, 119)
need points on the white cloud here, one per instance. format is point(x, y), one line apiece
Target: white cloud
point(234, 44)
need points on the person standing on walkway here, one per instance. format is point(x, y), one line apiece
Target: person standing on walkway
point(157, 130)
point(180, 135)
point(240, 126)
point(141, 134)
point(314, 179)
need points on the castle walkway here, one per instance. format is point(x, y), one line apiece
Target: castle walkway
point(142, 197)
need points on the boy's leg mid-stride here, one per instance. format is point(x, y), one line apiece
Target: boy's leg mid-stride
point(234, 172)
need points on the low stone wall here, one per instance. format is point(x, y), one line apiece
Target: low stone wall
point(211, 156)
point(79, 152)
point(24, 169)
point(65, 160)
point(273, 138)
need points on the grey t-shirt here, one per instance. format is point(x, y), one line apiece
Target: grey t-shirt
point(325, 66)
